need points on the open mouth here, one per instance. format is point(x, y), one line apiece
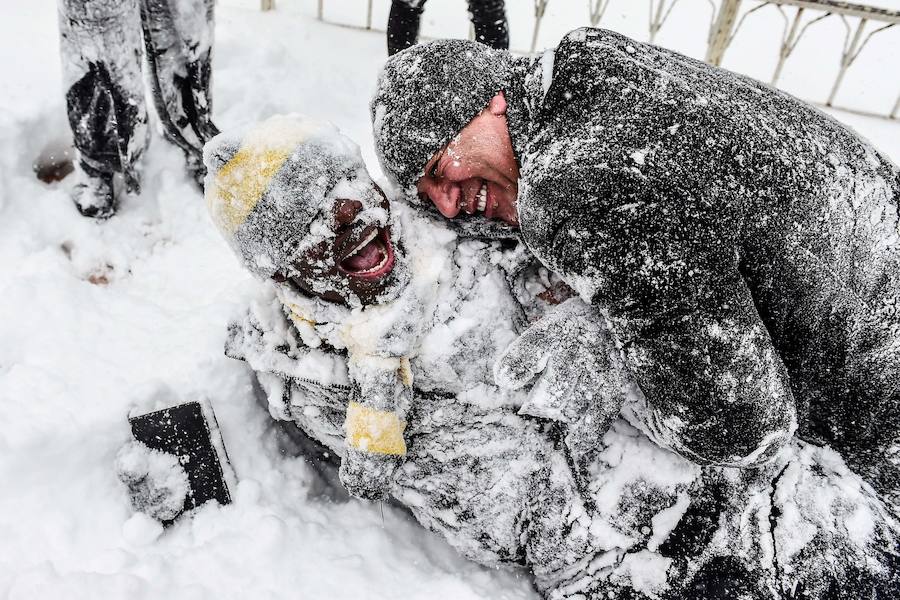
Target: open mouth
point(481, 204)
point(370, 256)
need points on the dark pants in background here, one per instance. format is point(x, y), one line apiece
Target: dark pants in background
point(488, 18)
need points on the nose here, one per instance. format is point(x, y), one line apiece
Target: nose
point(346, 210)
point(443, 194)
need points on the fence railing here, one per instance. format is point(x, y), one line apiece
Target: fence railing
point(727, 25)
point(860, 23)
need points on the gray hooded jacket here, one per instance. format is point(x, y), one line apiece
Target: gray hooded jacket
point(743, 244)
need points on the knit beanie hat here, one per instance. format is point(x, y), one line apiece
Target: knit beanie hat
point(425, 95)
point(266, 184)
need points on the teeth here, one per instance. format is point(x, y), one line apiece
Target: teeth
point(380, 265)
point(363, 243)
point(482, 198)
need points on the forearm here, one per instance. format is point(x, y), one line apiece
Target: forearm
point(716, 390)
point(376, 415)
point(374, 425)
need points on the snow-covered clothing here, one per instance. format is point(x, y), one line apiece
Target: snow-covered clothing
point(377, 342)
point(101, 45)
point(584, 378)
point(268, 185)
point(178, 41)
point(488, 20)
point(634, 520)
point(271, 190)
point(742, 245)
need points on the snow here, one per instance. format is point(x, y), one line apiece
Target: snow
point(95, 314)
point(141, 530)
point(666, 520)
point(647, 572)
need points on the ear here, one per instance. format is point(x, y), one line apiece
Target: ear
point(497, 105)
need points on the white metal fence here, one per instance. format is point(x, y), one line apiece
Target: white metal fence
point(727, 17)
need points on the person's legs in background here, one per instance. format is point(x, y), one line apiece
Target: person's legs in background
point(178, 37)
point(101, 57)
point(489, 20)
point(403, 24)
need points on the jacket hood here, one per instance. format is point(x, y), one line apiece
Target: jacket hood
point(426, 94)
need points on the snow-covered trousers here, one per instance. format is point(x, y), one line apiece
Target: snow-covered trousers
point(649, 525)
point(488, 19)
point(101, 55)
point(643, 523)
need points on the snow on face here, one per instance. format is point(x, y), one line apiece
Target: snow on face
point(348, 255)
point(293, 197)
point(476, 173)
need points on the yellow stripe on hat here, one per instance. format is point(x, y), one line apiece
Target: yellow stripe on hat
point(375, 431)
point(239, 185)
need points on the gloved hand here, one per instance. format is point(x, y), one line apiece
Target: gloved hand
point(375, 448)
point(367, 475)
point(580, 376)
point(157, 484)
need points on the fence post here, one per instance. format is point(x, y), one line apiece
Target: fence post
point(539, 7)
point(596, 8)
point(319, 11)
point(847, 59)
point(369, 15)
point(896, 110)
point(656, 18)
point(721, 35)
point(267, 5)
point(787, 46)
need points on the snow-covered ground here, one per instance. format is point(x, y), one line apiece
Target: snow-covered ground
point(98, 316)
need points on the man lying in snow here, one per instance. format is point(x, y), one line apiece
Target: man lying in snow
point(743, 246)
point(297, 210)
point(632, 520)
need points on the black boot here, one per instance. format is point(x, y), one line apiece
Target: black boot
point(93, 194)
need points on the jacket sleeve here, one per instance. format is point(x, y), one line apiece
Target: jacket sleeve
point(625, 193)
point(376, 416)
point(716, 391)
point(378, 350)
